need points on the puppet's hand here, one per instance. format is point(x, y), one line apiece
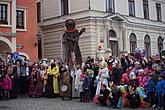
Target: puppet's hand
point(83, 29)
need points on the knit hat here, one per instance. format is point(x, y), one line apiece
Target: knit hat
point(141, 71)
point(132, 75)
point(161, 75)
point(137, 63)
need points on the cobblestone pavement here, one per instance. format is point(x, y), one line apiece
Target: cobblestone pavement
point(49, 104)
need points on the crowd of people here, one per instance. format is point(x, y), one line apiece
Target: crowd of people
point(131, 80)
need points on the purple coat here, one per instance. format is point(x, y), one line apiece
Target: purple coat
point(7, 84)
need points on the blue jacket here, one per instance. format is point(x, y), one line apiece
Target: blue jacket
point(151, 86)
point(163, 87)
point(86, 83)
point(159, 87)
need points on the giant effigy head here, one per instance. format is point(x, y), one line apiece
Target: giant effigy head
point(70, 24)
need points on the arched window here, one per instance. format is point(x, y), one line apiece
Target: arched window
point(133, 43)
point(113, 43)
point(147, 45)
point(160, 44)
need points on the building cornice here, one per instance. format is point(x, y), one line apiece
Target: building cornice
point(6, 0)
point(8, 34)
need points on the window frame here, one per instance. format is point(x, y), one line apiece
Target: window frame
point(146, 9)
point(113, 43)
point(63, 10)
point(131, 12)
point(159, 12)
point(24, 20)
point(147, 44)
point(8, 15)
point(160, 44)
point(110, 8)
point(132, 42)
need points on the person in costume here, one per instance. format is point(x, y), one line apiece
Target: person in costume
point(54, 70)
point(49, 91)
point(70, 43)
point(143, 96)
point(35, 86)
point(45, 77)
point(74, 74)
point(102, 77)
point(114, 96)
point(65, 83)
point(124, 90)
point(79, 82)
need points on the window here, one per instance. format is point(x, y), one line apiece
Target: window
point(110, 6)
point(131, 5)
point(20, 19)
point(160, 44)
point(113, 43)
point(3, 14)
point(147, 45)
point(146, 9)
point(39, 12)
point(64, 7)
point(133, 44)
point(158, 11)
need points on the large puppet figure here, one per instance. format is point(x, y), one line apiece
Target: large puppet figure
point(70, 43)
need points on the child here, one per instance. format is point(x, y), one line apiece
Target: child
point(151, 90)
point(114, 96)
point(133, 98)
point(159, 91)
point(104, 93)
point(7, 84)
point(86, 88)
point(80, 89)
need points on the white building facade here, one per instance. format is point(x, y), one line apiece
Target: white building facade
point(121, 25)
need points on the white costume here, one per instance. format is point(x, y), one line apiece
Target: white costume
point(102, 79)
point(78, 81)
point(73, 75)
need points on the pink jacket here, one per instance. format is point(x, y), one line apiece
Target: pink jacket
point(143, 80)
point(7, 84)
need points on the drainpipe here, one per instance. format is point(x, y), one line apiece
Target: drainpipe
point(13, 25)
point(89, 5)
